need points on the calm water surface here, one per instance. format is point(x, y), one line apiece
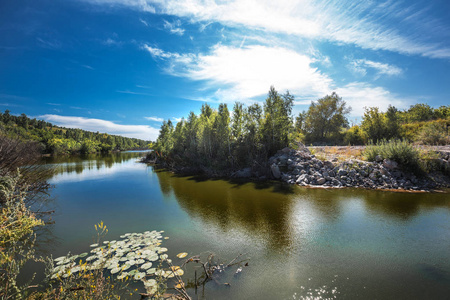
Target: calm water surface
point(302, 243)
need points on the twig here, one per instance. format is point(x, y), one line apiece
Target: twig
point(231, 262)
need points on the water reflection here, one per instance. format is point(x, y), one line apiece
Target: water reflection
point(280, 214)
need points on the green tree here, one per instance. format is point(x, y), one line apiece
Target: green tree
point(374, 124)
point(325, 118)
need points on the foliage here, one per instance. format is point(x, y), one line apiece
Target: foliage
point(214, 139)
point(325, 118)
point(60, 140)
point(16, 235)
point(402, 152)
point(354, 136)
point(434, 133)
point(112, 266)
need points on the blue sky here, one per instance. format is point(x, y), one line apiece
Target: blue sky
point(121, 66)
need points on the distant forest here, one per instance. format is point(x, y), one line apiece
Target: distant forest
point(59, 140)
point(250, 135)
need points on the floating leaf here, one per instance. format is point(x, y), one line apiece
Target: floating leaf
point(83, 254)
point(122, 275)
point(150, 283)
point(139, 276)
point(93, 245)
point(182, 255)
point(146, 266)
point(151, 271)
point(164, 256)
point(115, 270)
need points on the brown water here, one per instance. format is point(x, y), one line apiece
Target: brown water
point(302, 243)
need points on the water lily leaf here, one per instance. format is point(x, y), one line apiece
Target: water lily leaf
point(139, 276)
point(60, 258)
point(182, 255)
point(164, 256)
point(83, 254)
point(179, 272)
point(150, 283)
point(132, 273)
point(122, 275)
point(151, 271)
point(146, 266)
point(161, 250)
point(115, 270)
point(93, 245)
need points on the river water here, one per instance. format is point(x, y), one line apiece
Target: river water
point(301, 243)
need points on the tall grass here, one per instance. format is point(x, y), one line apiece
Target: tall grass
point(402, 152)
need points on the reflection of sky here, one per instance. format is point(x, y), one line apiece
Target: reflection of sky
point(92, 171)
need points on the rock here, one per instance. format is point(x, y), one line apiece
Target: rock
point(378, 158)
point(390, 164)
point(341, 172)
point(286, 150)
point(244, 173)
point(373, 176)
point(275, 171)
point(321, 181)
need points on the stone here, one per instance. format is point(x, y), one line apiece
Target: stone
point(244, 173)
point(341, 172)
point(321, 181)
point(390, 164)
point(378, 158)
point(275, 171)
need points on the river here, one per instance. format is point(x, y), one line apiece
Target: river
point(301, 243)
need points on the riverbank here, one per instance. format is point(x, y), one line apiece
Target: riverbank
point(335, 167)
point(340, 167)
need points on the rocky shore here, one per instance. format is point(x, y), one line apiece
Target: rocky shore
point(305, 169)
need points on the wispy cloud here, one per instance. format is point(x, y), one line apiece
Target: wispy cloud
point(174, 27)
point(111, 42)
point(387, 25)
point(360, 66)
point(53, 104)
point(248, 72)
point(177, 119)
point(133, 93)
point(143, 22)
point(87, 67)
point(144, 132)
point(49, 44)
point(156, 119)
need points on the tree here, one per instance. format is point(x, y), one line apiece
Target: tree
point(325, 118)
point(392, 123)
point(374, 124)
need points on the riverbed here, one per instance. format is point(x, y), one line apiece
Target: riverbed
point(301, 243)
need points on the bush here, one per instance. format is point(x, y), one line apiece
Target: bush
point(434, 134)
point(402, 152)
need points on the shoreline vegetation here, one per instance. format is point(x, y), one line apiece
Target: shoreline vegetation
point(55, 140)
point(264, 142)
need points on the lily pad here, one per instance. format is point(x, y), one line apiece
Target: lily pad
point(139, 276)
point(182, 255)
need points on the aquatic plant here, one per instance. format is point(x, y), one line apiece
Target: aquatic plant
point(132, 258)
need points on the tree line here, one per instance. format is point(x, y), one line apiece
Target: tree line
point(60, 140)
point(247, 136)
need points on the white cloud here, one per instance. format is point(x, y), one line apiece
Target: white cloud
point(360, 66)
point(248, 72)
point(156, 119)
point(135, 131)
point(390, 25)
point(137, 4)
point(174, 27)
point(359, 95)
point(143, 22)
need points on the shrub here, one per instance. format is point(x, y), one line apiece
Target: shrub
point(434, 134)
point(17, 237)
point(402, 152)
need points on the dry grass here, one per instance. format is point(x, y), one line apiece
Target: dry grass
point(339, 152)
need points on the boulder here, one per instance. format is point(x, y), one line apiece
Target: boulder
point(244, 173)
point(275, 171)
point(390, 164)
point(321, 181)
point(378, 158)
